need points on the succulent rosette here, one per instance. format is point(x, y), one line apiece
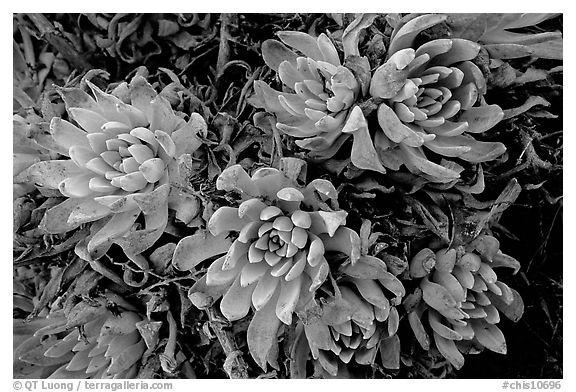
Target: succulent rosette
point(463, 298)
point(284, 231)
point(122, 155)
point(360, 318)
point(318, 91)
point(90, 343)
point(274, 242)
point(431, 99)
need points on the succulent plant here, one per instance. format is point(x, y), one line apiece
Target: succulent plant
point(283, 232)
point(25, 151)
point(90, 342)
point(122, 156)
point(431, 98)
point(318, 91)
point(495, 32)
point(360, 315)
point(463, 298)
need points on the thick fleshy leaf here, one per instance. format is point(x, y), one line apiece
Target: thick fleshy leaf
point(266, 98)
point(419, 331)
point(216, 276)
point(48, 174)
point(67, 134)
point(508, 51)
point(141, 95)
point(163, 117)
point(288, 298)
point(390, 352)
point(266, 288)
point(236, 251)
point(198, 247)
point(237, 300)
point(154, 206)
point(367, 267)
point(395, 129)
point(481, 118)
point(118, 203)
point(481, 151)
point(446, 332)
point(513, 310)
point(36, 356)
point(55, 220)
point(387, 80)
point(127, 358)
point(371, 292)
point(393, 284)
point(166, 142)
point(77, 186)
point(235, 178)
point(302, 42)
point(262, 335)
point(336, 311)
point(529, 104)
point(346, 241)
point(449, 350)
point(327, 221)
point(318, 335)
point(111, 107)
point(186, 138)
point(439, 298)
point(364, 155)
point(363, 312)
point(202, 295)
point(112, 230)
point(404, 37)
point(447, 147)
point(434, 48)
point(328, 50)
point(153, 169)
point(252, 272)
point(351, 34)
point(226, 219)
point(553, 49)
point(88, 211)
point(489, 335)
point(502, 260)
point(415, 160)
point(90, 121)
point(275, 52)
point(77, 98)
point(461, 50)
point(422, 263)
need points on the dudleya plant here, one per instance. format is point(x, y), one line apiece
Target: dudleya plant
point(273, 247)
point(94, 343)
point(318, 91)
point(499, 34)
point(430, 98)
point(283, 232)
point(359, 319)
point(463, 298)
point(122, 156)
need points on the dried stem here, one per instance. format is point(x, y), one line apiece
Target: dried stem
point(234, 365)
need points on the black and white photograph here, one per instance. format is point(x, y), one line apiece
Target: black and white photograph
point(287, 196)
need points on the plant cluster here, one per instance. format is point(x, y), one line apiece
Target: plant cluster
point(328, 221)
